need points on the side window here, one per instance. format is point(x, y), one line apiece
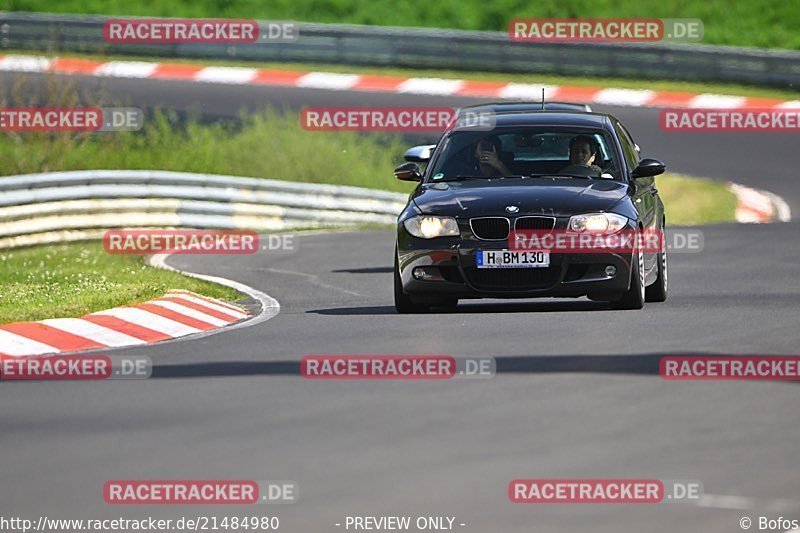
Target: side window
point(628, 147)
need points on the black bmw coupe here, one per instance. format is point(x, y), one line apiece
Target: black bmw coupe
point(563, 173)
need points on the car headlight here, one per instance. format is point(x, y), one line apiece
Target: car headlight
point(602, 223)
point(429, 226)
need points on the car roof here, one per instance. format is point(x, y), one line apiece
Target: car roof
point(510, 107)
point(550, 118)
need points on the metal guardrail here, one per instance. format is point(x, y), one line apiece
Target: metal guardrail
point(431, 49)
point(62, 206)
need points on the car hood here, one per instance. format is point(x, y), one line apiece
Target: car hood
point(549, 196)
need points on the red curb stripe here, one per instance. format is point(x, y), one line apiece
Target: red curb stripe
point(379, 83)
point(577, 94)
point(198, 307)
point(177, 317)
point(74, 66)
point(669, 99)
point(51, 336)
point(481, 88)
point(174, 71)
point(277, 77)
point(761, 102)
point(128, 328)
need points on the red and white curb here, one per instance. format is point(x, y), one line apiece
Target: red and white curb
point(757, 206)
point(391, 84)
point(176, 314)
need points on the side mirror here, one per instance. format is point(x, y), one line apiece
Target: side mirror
point(648, 167)
point(408, 172)
point(419, 154)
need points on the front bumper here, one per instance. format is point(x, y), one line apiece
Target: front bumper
point(451, 265)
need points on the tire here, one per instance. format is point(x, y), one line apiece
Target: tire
point(657, 292)
point(402, 301)
point(635, 296)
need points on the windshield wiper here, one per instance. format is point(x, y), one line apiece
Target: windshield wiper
point(459, 178)
point(559, 175)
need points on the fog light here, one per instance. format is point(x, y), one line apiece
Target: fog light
point(611, 271)
point(426, 274)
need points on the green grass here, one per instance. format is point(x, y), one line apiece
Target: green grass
point(269, 145)
point(71, 280)
point(690, 201)
point(769, 23)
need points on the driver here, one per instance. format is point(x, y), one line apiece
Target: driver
point(486, 155)
point(582, 154)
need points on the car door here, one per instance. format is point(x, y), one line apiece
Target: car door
point(645, 196)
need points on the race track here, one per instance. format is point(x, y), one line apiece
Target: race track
point(577, 394)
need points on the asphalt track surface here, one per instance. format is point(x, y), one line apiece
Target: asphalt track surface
point(577, 393)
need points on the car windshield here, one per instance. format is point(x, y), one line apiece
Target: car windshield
point(526, 151)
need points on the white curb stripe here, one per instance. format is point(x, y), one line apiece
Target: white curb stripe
point(17, 345)
point(232, 75)
point(127, 69)
point(527, 91)
point(192, 313)
point(624, 97)
point(142, 318)
point(437, 86)
point(92, 331)
point(328, 80)
point(25, 63)
point(716, 101)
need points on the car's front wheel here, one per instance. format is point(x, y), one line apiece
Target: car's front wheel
point(657, 292)
point(635, 296)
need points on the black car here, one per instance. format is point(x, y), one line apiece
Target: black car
point(529, 172)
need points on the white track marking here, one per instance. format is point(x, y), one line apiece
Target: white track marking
point(270, 307)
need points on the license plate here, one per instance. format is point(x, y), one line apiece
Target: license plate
point(506, 259)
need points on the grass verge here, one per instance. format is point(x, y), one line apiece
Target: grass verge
point(769, 23)
point(692, 201)
point(73, 279)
